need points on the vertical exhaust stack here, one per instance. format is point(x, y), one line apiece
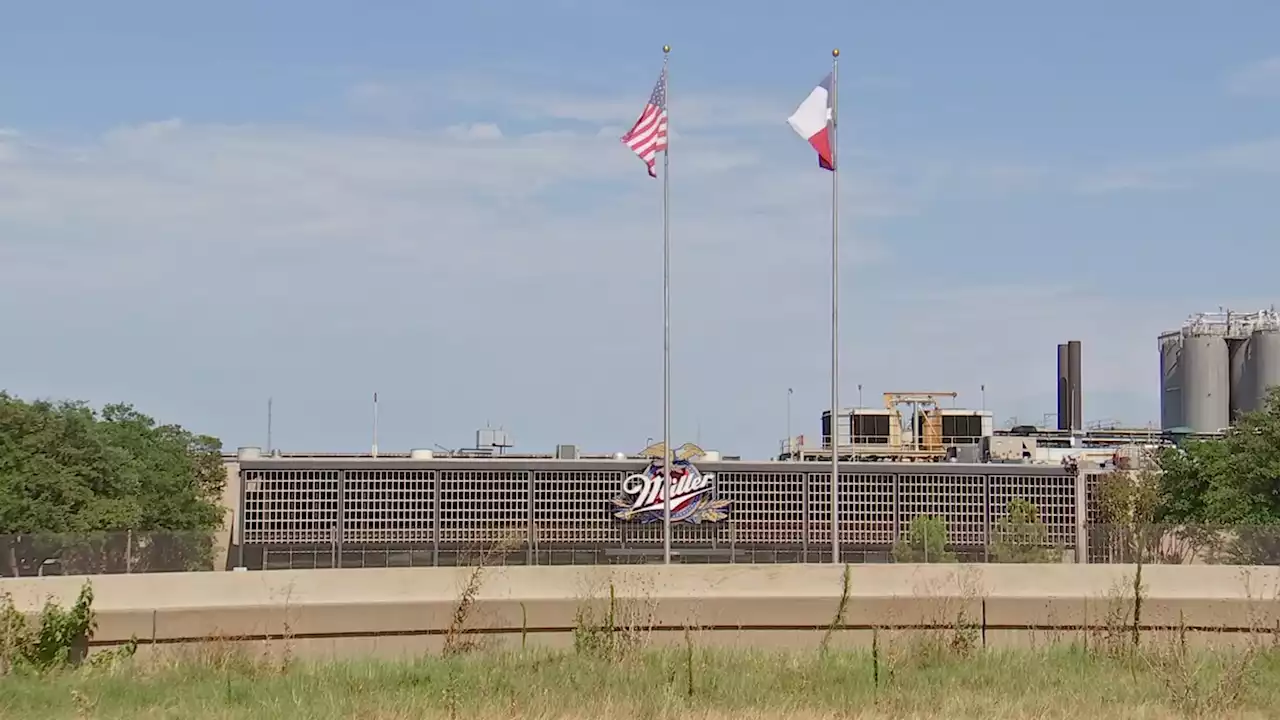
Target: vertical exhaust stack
point(1064, 388)
point(1073, 380)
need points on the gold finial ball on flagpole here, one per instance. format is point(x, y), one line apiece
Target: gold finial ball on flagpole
point(835, 53)
point(666, 48)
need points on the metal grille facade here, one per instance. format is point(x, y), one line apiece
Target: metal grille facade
point(388, 506)
point(290, 506)
point(433, 511)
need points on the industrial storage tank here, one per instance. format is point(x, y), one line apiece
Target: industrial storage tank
point(1206, 383)
point(1170, 380)
point(1264, 365)
point(1216, 366)
point(1242, 393)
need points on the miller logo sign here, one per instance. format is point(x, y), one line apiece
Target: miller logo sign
point(693, 497)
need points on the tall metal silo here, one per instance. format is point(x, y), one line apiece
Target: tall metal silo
point(1171, 380)
point(1264, 364)
point(1206, 383)
point(1075, 384)
point(1242, 392)
point(1064, 388)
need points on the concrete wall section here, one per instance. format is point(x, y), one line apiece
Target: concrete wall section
point(379, 612)
point(225, 539)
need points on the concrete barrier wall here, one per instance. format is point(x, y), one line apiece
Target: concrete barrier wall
point(399, 611)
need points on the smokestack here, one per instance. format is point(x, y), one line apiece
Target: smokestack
point(1064, 389)
point(1073, 380)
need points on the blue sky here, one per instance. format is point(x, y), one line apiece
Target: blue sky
point(202, 207)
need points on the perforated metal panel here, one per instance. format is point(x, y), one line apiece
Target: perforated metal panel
point(572, 507)
point(871, 503)
point(768, 507)
point(960, 500)
point(1054, 498)
point(681, 534)
point(1093, 491)
point(290, 506)
point(819, 493)
point(483, 506)
point(389, 506)
point(449, 507)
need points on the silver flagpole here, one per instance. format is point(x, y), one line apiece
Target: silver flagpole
point(835, 319)
point(666, 320)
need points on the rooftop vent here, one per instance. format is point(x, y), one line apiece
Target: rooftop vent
point(496, 438)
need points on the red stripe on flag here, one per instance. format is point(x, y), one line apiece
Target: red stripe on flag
point(822, 143)
point(648, 136)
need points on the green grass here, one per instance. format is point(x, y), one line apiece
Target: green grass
point(913, 682)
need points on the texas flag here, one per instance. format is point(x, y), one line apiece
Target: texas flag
point(812, 121)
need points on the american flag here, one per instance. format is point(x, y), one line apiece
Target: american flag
point(649, 134)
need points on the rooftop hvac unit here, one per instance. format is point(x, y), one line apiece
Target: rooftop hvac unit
point(493, 438)
point(567, 452)
point(873, 426)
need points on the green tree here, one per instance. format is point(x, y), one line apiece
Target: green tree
point(1233, 481)
point(1021, 537)
point(925, 542)
point(1129, 503)
point(1230, 480)
point(65, 469)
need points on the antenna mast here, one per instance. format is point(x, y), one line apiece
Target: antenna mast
point(375, 425)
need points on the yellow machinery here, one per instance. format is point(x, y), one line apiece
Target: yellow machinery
point(919, 439)
point(924, 440)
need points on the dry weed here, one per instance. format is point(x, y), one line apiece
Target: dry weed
point(622, 624)
point(1195, 686)
point(842, 607)
point(458, 638)
point(1119, 632)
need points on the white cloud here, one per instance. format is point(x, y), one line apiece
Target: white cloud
point(475, 131)
point(144, 133)
point(522, 101)
point(1196, 168)
point(483, 273)
point(385, 100)
point(1259, 79)
point(1259, 156)
point(974, 181)
point(192, 267)
point(1127, 180)
point(699, 111)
